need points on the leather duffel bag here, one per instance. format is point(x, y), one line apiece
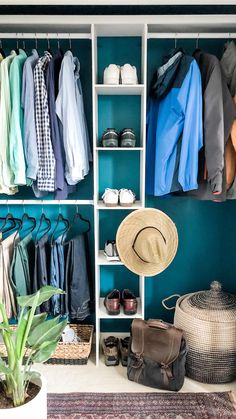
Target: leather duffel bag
point(157, 355)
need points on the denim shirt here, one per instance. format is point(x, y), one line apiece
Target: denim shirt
point(72, 121)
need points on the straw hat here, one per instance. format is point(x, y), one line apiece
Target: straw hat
point(147, 241)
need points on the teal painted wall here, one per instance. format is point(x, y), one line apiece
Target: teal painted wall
point(207, 230)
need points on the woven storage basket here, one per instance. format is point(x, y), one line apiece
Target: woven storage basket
point(69, 353)
point(208, 319)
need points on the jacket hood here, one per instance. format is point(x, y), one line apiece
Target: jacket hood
point(228, 64)
point(165, 75)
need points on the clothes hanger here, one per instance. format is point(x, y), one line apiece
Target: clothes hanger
point(49, 48)
point(9, 217)
point(60, 218)
point(25, 217)
point(79, 216)
point(1, 50)
point(43, 219)
point(17, 45)
point(70, 46)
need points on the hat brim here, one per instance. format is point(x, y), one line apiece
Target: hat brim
point(128, 230)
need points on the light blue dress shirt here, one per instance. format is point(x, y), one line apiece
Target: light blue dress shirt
point(71, 115)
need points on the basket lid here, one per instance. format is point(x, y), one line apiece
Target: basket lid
point(213, 304)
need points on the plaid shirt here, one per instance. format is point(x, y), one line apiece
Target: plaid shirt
point(46, 171)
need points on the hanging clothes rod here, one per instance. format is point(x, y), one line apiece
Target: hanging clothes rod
point(45, 202)
point(45, 35)
point(196, 35)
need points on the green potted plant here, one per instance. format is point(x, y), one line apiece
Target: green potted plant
point(33, 340)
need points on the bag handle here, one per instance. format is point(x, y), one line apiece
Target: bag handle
point(167, 299)
point(159, 324)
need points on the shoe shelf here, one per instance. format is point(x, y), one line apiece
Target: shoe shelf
point(119, 89)
point(137, 205)
point(102, 260)
point(102, 313)
point(119, 148)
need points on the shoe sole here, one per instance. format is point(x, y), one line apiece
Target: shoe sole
point(110, 205)
point(127, 143)
point(128, 81)
point(128, 204)
point(111, 363)
point(110, 143)
point(130, 312)
point(113, 313)
point(111, 81)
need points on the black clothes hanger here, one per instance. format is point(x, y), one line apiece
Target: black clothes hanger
point(49, 48)
point(43, 219)
point(1, 50)
point(9, 217)
point(79, 216)
point(64, 220)
point(26, 217)
point(75, 218)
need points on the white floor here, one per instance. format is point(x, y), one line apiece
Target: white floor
point(89, 378)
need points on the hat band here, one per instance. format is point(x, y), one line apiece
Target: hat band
point(144, 228)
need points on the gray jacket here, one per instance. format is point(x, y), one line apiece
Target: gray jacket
point(219, 114)
point(228, 64)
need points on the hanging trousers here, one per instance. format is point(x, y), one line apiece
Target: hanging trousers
point(22, 266)
point(6, 291)
point(77, 278)
point(41, 268)
point(57, 273)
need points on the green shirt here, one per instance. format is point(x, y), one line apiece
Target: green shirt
point(6, 173)
point(16, 150)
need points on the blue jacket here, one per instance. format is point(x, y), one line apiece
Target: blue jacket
point(174, 126)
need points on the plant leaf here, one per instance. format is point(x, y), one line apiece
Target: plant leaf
point(3, 368)
point(50, 330)
point(32, 375)
point(44, 294)
point(38, 318)
point(43, 354)
point(20, 333)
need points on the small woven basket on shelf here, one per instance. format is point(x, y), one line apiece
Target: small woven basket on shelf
point(74, 353)
point(208, 319)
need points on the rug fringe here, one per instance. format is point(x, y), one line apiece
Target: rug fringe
point(232, 396)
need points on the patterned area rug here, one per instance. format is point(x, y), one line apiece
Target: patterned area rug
point(141, 406)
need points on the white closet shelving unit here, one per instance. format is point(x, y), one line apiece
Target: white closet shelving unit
point(101, 89)
point(92, 27)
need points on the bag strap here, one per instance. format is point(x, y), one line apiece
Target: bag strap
point(137, 345)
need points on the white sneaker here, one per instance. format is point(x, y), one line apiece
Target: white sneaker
point(126, 197)
point(129, 74)
point(111, 74)
point(111, 197)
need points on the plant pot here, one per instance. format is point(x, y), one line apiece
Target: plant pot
point(34, 409)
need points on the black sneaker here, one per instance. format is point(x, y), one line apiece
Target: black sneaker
point(127, 138)
point(110, 138)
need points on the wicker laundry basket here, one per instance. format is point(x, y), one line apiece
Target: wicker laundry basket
point(208, 319)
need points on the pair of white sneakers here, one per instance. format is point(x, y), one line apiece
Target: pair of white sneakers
point(113, 197)
point(115, 74)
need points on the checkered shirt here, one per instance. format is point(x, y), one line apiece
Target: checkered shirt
point(47, 163)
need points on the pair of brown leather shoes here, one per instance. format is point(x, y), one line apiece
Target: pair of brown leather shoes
point(114, 348)
point(114, 300)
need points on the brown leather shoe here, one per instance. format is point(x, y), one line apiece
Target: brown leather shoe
point(129, 302)
point(111, 351)
point(112, 302)
point(124, 349)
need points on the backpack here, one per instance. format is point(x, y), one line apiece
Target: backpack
point(157, 355)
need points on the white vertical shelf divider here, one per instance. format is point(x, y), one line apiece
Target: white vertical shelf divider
point(95, 187)
point(143, 145)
